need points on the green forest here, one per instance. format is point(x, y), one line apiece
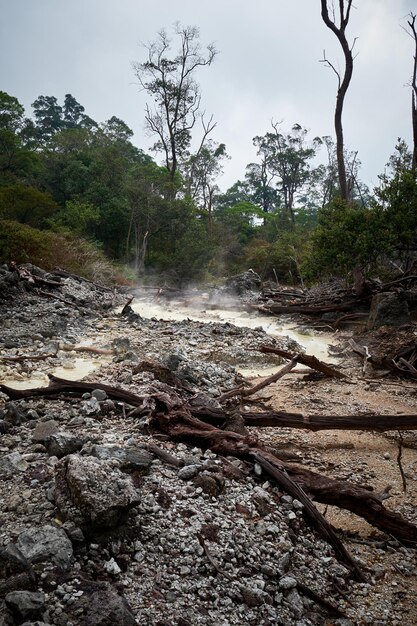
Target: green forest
point(77, 193)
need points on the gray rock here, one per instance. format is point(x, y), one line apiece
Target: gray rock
point(5, 427)
point(99, 395)
point(32, 415)
point(11, 464)
point(44, 430)
point(46, 543)
point(60, 444)
point(296, 603)
point(121, 345)
point(129, 458)
point(242, 283)
point(91, 493)
point(130, 356)
point(189, 471)
point(14, 415)
point(15, 570)
point(26, 604)
point(74, 532)
point(102, 606)
point(90, 407)
point(287, 582)
point(112, 567)
point(388, 309)
point(252, 597)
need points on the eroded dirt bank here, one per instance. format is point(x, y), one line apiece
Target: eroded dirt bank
point(96, 529)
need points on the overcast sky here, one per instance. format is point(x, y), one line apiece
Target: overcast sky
point(267, 67)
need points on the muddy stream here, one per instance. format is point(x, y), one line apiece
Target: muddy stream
point(74, 366)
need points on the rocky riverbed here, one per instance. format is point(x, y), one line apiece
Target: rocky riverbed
point(97, 529)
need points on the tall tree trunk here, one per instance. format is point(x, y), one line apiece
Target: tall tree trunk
point(339, 31)
point(413, 33)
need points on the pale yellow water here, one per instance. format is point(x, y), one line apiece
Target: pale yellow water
point(76, 367)
point(316, 345)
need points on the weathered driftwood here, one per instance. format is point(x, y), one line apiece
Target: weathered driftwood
point(311, 309)
point(127, 308)
point(240, 390)
point(27, 275)
point(53, 296)
point(69, 347)
point(58, 271)
point(60, 385)
point(306, 359)
point(218, 416)
point(372, 423)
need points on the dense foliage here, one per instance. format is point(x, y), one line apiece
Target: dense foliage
point(74, 191)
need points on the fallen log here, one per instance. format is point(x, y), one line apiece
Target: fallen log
point(372, 423)
point(58, 271)
point(219, 416)
point(306, 359)
point(69, 347)
point(53, 296)
point(27, 275)
point(312, 310)
point(60, 385)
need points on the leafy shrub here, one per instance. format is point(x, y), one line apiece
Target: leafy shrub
point(26, 205)
point(22, 244)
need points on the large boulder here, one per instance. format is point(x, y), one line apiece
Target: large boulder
point(92, 493)
point(241, 284)
point(388, 309)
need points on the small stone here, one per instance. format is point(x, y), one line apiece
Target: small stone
point(287, 582)
point(99, 395)
point(11, 464)
point(62, 443)
point(257, 469)
point(90, 407)
point(387, 456)
point(188, 471)
point(252, 597)
point(44, 430)
point(112, 567)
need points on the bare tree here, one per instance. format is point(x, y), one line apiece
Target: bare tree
point(413, 33)
point(176, 94)
point(338, 24)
